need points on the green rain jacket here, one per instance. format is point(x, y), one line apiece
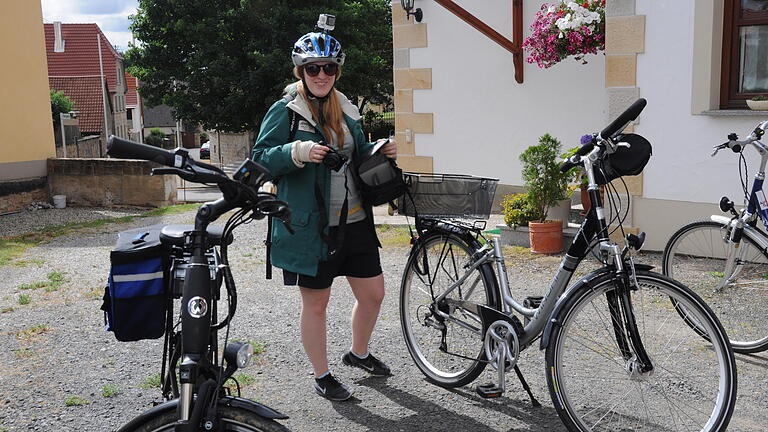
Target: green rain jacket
point(301, 252)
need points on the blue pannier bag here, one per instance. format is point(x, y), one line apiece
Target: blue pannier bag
point(135, 299)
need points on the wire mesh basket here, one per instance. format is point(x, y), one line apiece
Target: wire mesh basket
point(447, 195)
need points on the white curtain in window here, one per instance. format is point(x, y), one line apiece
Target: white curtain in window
point(753, 73)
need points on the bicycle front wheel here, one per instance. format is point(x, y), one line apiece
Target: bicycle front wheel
point(595, 387)
point(731, 278)
point(445, 337)
point(232, 419)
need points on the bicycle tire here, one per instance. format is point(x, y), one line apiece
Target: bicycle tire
point(232, 419)
point(464, 360)
point(694, 256)
point(593, 387)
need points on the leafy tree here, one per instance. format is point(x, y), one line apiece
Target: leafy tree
point(222, 63)
point(59, 104)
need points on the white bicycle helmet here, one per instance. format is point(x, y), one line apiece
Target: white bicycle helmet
point(317, 47)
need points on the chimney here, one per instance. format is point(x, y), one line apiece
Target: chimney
point(58, 42)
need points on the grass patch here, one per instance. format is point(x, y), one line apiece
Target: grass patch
point(7, 309)
point(151, 382)
point(23, 353)
point(23, 263)
point(493, 231)
point(33, 285)
point(12, 248)
point(243, 379)
point(716, 274)
point(55, 280)
point(76, 401)
point(24, 299)
point(392, 235)
point(30, 334)
point(110, 390)
point(4, 429)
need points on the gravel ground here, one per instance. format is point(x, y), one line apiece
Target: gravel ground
point(54, 348)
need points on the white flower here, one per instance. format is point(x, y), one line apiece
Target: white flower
point(551, 9)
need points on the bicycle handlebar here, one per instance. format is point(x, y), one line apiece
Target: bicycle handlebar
point(627, 116)
point(122, 148)
point(606, 134)
point(181, 164)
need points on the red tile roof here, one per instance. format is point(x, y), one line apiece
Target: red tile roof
point(81, 52)
point(131, 96)
point(86, 93)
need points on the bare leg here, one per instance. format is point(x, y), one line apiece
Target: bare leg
point(369, 293)
point(313, 333)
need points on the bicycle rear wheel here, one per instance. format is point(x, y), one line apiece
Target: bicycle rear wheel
point(232, 419)
point(445, 339)
point(595, 388)
point(696, 255)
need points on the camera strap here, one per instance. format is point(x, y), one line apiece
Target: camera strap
point(334, 244)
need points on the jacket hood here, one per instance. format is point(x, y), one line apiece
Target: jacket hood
point(300, 106)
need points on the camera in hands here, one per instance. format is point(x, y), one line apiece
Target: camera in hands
point(333, 159)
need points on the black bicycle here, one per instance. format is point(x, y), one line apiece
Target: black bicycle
point(193, 376)
point(619, 355)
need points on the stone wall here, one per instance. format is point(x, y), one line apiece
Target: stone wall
point(106, 182)
point(16, 195)
point(230, 148)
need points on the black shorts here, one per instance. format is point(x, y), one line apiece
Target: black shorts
point(358, 258)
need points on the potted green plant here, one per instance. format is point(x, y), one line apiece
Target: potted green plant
point(517, 210)
point(545, 185)
point(758, 103)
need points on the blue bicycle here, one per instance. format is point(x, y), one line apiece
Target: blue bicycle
point(725, 259)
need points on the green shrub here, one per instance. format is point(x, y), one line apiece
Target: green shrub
point(759, 98)
point(517, 210)
point(545, 184)
point(155, 138)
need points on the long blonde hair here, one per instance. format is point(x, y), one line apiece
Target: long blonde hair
point(332, 116)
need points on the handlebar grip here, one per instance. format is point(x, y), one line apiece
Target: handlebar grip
point(122, 148)
point(627, 116)
point(565, 166)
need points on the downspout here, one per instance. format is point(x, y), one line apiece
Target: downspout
point(105, 98)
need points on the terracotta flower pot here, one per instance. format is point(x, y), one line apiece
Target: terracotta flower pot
point(546, 237)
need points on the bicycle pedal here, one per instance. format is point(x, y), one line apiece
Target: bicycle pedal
point(489, 390)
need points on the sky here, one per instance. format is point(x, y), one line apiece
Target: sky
point(110, 15)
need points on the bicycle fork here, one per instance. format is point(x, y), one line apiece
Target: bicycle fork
point(628, 338)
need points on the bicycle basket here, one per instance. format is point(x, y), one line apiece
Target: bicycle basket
point(625, 161)
point(447, 195)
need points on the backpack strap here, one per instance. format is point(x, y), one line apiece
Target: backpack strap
point(292, 117)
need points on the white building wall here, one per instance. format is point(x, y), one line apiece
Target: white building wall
point(682, 182)
point(681, 168)
point(483, 119)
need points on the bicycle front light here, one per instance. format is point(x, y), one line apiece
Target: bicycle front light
point(238, 353)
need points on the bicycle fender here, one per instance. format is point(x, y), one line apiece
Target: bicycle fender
point(752, 232)
point(586, 281)
point(236, 402)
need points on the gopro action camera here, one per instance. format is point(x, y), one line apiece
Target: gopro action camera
point(326, 22)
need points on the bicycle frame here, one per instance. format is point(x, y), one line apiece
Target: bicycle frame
point(594, 226)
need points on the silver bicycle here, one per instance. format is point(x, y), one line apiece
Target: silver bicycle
point(725, 259)
point(619, 355)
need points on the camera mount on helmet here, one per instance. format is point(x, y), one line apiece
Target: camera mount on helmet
point(326, 22)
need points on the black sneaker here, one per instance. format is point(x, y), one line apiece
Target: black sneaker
point(329, 388)
point(370, 364)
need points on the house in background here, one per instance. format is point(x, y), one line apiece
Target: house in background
point(134, 109)
point(86, 67)
point(694, 61)
point(25, 112)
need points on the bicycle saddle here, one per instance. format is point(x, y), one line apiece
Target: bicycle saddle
point(173, 235)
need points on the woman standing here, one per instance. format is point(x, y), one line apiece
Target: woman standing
point(300, 140)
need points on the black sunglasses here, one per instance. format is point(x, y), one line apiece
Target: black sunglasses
point(313, 70)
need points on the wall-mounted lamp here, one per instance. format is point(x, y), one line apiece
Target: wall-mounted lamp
point(408, 7)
